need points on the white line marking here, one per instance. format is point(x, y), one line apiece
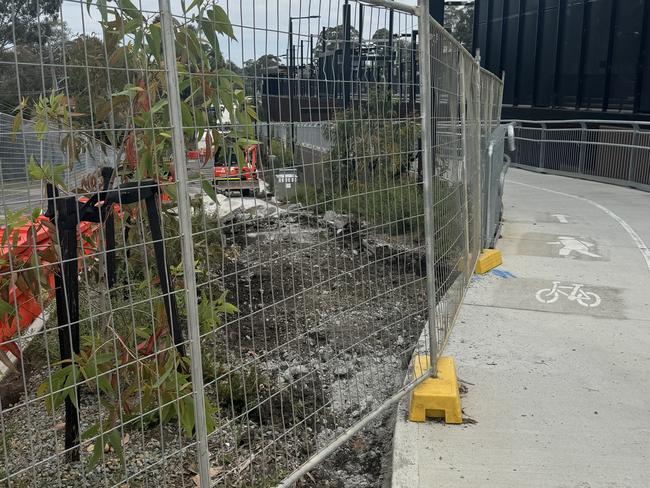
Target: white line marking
point(643, 247)
point(561, 218)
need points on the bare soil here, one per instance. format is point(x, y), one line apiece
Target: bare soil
point(326, 323)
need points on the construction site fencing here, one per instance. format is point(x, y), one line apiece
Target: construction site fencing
point(165, 320)
point(494, 167)
point(609, 151)
point(20, 141)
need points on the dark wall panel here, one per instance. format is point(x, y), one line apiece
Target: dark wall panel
point(509, 49)
point(570, 50)
point(597, 38)
point(625, 55)
point(495, 35)
point(569, 54)
point(547, 53)
point(528, 49)
point(643, 84)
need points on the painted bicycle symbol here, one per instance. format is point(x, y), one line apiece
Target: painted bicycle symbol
point(574, 293)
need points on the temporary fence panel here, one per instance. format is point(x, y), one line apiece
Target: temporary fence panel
point(165, 320)
point(495, 168)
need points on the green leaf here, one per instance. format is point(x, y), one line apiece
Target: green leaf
point(194, 4)
point(209, 190)
point(241, 158)
point(128, 7)
point(210, 34)
point(35, 171)
point(186, 415)
point(153, 39)
point(129, 91)
point(186, 115)
point(6, 309)
point(91, 431)
point(210, 412)
point(243, 141)
point(57, 175)
point(231, 76)
point(251, 112)
point(159, 105)
point(221, 22)
point(98, 449)
point(15, 127)
point(115, 441)
point(164, 376)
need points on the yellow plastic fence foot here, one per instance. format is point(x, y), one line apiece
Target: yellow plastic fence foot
point(436, 397)
point(489, 259)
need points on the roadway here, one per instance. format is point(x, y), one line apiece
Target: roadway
point(557, 380)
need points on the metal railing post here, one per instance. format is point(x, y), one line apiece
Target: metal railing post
point(583, 147)
point(542, 148)
point(426, 107)
point(187, 245)
point(634, 154)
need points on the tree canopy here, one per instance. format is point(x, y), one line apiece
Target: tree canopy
point(459, 20)
point(26, 22)
point(330, 39)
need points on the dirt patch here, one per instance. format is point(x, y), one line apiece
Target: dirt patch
point(325, 325)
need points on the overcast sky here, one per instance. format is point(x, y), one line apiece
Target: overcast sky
point(261, 26)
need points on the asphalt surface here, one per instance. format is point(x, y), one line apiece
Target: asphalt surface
point(558, 381)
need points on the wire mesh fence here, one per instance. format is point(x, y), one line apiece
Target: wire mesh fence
point(276, 203)
point(610, 151)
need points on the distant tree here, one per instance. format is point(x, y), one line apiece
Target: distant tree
point(29, 75)
point(90, 79)
point(332, 37)
point(379, 34)
point(256, 70)
point(459, 20)
point(26, 21)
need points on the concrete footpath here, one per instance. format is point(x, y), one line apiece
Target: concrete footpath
point(553, 348)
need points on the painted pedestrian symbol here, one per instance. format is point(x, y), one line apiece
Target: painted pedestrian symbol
point(574, 293)
point(571, 245)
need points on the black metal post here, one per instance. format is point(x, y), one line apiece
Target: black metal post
point(388, 61)
point(290, 53)
point(347, 52)
point(290, 87)
point(109, 233)
point(360, 63)
point(66, 283)
point(413, 77)
point(400, 72)
point(165, 282)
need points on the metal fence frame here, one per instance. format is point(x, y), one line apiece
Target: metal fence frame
point(607, 151)
point(455, 107)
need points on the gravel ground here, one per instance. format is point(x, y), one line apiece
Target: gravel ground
point(327, 319)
